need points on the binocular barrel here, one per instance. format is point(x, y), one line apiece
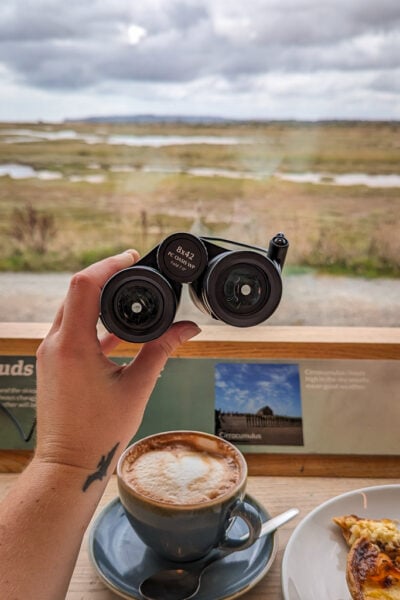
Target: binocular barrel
point(238, 287)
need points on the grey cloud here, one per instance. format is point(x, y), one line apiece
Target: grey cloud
point(378, 14)
point(184, 16)
point(303, 22)
point(53, 44)
point(385, 82)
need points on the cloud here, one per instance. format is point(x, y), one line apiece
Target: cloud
point(221, 48)
point(60, 45)
point(248, 387)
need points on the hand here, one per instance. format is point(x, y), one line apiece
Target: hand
point(86, 404)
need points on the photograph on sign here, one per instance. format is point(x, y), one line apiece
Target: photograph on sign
point(258, 403)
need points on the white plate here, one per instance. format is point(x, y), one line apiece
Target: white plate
point(314, 563)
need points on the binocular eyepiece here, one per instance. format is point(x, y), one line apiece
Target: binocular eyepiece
point(239, 287)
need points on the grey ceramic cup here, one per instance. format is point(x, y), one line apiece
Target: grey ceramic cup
point(186, 532)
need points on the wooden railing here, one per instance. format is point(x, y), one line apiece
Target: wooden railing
point(257, 343)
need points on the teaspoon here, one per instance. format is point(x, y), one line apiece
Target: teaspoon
point(182, 584)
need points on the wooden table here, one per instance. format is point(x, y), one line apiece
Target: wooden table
point(275, 493)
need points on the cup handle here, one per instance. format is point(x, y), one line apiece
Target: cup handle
point(245, 511)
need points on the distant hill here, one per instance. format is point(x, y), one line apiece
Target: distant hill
point(214, 120)
point(155, 119)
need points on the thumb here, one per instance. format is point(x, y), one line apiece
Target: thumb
point(143, 372)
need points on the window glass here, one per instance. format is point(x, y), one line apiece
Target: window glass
point(122, 122)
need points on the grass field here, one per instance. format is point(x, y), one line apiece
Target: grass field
point(143, 193)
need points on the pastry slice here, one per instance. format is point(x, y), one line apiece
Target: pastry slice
point(384, 532)
point(371, 574)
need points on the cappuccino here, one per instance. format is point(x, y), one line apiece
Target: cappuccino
point(181, 490)
point(181, 471)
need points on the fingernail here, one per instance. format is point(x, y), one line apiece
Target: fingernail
point(189, 332)
point(130, 255)
point(134, 253)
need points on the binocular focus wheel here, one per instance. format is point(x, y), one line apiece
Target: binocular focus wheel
point(182, 257)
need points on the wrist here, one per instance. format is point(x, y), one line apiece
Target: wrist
point(89, 474)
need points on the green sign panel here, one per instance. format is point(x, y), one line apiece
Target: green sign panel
point(17, 401)
point(310, 406)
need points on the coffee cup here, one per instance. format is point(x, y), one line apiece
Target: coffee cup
point(182, 490)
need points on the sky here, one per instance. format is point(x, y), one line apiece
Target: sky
point(248, 387)
point(262, 59)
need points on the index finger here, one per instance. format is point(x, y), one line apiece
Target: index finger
point(81, 306)
point(99, 272)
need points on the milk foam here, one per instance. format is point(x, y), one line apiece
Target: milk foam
point(181, 475)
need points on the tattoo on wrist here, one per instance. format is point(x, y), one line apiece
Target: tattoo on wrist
point(102, 467)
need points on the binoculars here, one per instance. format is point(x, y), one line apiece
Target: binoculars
point(241, 287)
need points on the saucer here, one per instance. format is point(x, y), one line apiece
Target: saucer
point(123, 561)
